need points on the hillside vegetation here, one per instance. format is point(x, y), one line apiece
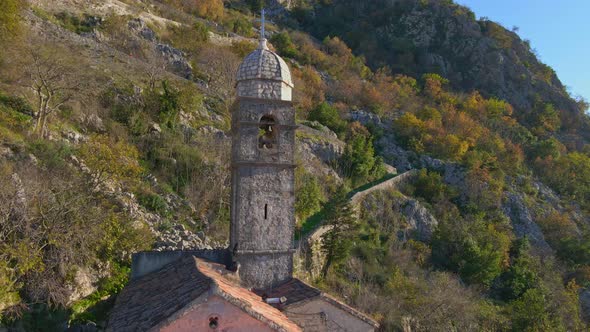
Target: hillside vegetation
point(114, 122)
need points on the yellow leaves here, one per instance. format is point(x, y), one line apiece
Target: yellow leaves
point(309, 89)
point(408, 125)
point(336, 46)
point(451, 147)
point(433, 85)
point(210, 9)
point(10, 17)
point(108, 159)
point(26, 257)
point(8, 288)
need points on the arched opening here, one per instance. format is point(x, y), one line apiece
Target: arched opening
point(213, 322)
point(267, 133)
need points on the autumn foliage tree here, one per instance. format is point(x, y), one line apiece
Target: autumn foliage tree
point(109, 160)
point(210, 9)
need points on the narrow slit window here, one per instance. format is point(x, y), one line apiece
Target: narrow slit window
point(265, 211)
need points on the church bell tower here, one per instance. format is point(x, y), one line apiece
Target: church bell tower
point(263, 177)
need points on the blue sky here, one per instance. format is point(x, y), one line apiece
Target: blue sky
point(558, 29)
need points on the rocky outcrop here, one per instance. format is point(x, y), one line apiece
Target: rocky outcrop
point(139, 27)
point(417, 221)
point(319, 149)
point(310, 258)
point(445, 38)
point(420, 221)
point(514, 207)
point(176, 60)
point(387, 145)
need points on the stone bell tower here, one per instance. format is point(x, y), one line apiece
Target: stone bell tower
point(263, 147)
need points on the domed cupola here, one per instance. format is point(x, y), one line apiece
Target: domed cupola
point(264, 75)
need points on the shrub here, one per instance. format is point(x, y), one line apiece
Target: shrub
point(545, 119)
point(189, 38)
point(52, 155)
point(13, 120)
point(327, 115)
point(239, 25)
point(153, 202)
point(520, 277)
point(429, 186)
point(16, 103)
point(74, 23)
point(284, 45)
point(169, 105)
point(472, 248)
point(569, 175)
point(309, 90)
point(243, 47)
point(10, 17)
point(450, 147)
point(110, 160)
point(499, 34)
point(550, 147)
point(309, 195)
point(530, 312)
point(408, 127)
point(209, 9)
point(359, 161)
point(433, 85)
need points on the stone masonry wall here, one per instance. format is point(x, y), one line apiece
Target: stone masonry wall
point(263, 194)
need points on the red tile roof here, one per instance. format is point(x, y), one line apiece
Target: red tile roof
point(150, 300)
point(298, 292)
point(245, 299)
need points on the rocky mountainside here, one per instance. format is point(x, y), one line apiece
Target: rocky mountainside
point(417, 37)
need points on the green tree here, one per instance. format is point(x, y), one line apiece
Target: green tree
point(530, 313)
point(255, 5)
point(284, 45)
point(547, 119)
point(329, 117)
point(340, 220)
point(550, 147)
point(169, 105)
point(476, 250)
point(309, 195)
point(520, 277)
point(358, 161)
point(430, 186)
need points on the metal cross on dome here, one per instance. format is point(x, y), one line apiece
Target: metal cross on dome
point(263, 21)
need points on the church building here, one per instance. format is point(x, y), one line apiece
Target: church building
point(248, 286)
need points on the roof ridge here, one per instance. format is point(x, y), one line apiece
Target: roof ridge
point(279, 322)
